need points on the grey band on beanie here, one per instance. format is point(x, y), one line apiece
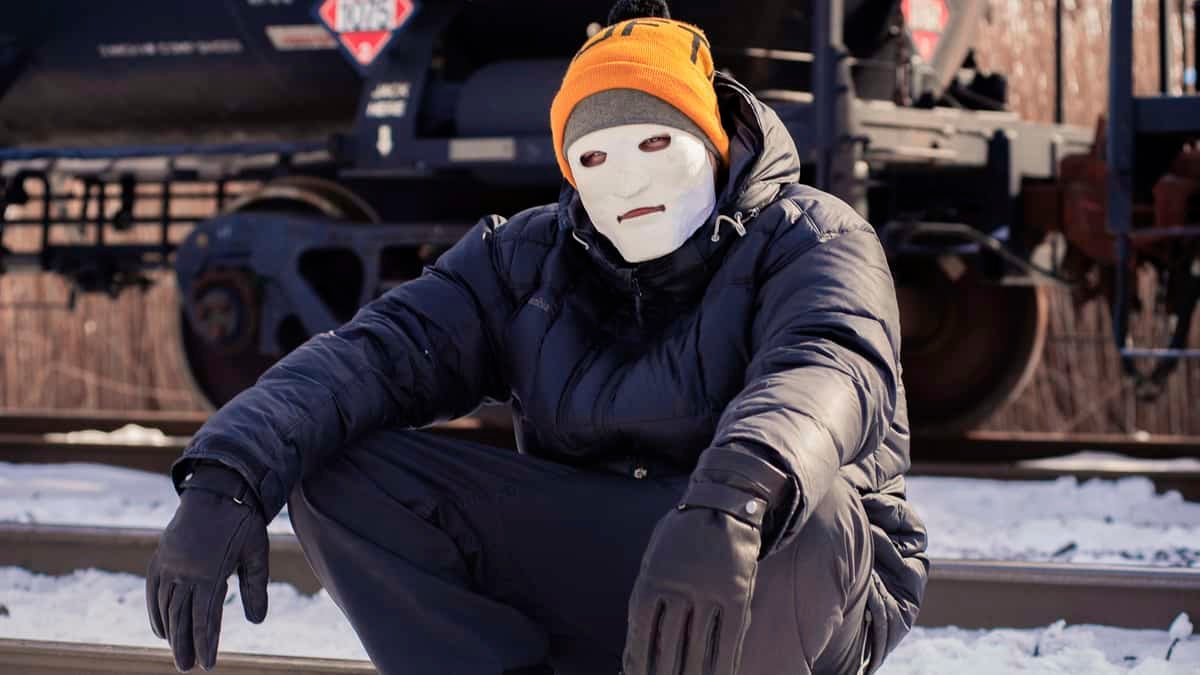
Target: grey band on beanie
point(614, 107)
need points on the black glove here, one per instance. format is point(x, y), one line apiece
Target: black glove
point(217, 528)
point(690, 606)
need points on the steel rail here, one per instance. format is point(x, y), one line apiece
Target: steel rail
point(183, 424)
point(1007, 446)
point(996, 593)
point(36, 449)
point(966, 593)
point(41, 421)
point(39, 657)
point(982, 446)
point(62, 549)
point(1184, 481)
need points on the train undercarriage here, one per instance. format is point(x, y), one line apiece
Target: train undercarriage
point(390, 163)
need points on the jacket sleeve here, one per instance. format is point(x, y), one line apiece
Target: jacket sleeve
point(821, 386)
point(422, 352)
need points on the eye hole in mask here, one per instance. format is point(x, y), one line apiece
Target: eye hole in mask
point(653, 144)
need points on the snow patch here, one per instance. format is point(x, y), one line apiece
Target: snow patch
point(1111, 461)
point(1055, 650)
point(1062, 520)
point(130, 434)
point(92, 495)
point(103, 607)
point(110, 608)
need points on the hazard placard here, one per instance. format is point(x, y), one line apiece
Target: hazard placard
point(926, 21)
point(364, 27)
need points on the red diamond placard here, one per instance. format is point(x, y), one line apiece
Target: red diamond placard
point(926, 21)
point(364, 27)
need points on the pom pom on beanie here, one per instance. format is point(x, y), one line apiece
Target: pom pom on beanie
point(623, 10)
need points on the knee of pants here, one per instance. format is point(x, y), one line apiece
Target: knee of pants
point(815, 586)
point(303, 513)
point(326, 497)
point(837, 539)
point(347, 502)
point(352, 483)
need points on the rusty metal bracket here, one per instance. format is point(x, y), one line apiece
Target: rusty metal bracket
point(899, 235)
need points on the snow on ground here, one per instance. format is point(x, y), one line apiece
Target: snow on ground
point(92, 494)
point(1054, 650)
point(92, 606)
point(1111, 461)
point(110, 608)
point(130, 434)
point(1065, 520)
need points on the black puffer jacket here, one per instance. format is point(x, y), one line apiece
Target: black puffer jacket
point(773, 330)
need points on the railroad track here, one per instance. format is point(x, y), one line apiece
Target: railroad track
point(36, 449)
point(975, 446)
point(1008, 446)
point(37, 657)
point(62, 549)
point(1184, 481)
point(61, 421)
point(966, 593)
point(23, 438)
point(38, 439)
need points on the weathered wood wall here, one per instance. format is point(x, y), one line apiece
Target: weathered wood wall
point(1078, 386)
point(122, 354)
point(114, 354)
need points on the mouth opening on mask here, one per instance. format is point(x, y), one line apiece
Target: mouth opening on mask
point(641, 211)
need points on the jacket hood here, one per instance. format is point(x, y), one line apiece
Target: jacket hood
point(762, 158)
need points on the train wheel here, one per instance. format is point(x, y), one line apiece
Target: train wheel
point(969, 348)
point(218, 333)
point(218, 320)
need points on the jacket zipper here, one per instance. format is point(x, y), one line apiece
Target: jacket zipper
point(637, 299)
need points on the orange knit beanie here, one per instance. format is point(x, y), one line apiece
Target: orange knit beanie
point(668, 59)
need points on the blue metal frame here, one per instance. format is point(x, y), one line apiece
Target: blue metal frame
point(271, 246)
point(141, 151)
point(1130, 117)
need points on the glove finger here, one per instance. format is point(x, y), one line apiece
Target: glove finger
point(152, 584)
point(207, 609)
point(710, 653)
point(252, 581)
point(729, 636)
point(643, 618)
point(165, 591)
point(672, 642)
point(182, 643)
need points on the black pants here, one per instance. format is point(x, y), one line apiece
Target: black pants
point(453, 558)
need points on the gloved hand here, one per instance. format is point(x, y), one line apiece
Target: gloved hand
point(217, 528)
point(690, 605)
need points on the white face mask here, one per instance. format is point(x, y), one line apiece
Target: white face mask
point(646, 187)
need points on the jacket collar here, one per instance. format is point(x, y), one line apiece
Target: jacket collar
point(762, 158)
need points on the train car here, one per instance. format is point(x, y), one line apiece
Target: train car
point(345, 143)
